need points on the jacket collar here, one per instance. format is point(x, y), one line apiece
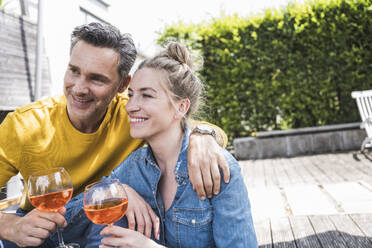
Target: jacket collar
point(180, 169)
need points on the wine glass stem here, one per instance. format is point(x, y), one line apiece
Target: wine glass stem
point(60, 238)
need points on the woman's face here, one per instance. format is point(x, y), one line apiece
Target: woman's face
point(149, 108)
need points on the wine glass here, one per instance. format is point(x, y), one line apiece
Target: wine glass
point(48, 191)
point(105, 202)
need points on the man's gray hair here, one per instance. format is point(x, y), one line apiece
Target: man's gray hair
point(108, 36)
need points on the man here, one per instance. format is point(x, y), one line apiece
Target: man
point(86, 131)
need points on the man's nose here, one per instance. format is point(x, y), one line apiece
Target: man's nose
point(81, 86)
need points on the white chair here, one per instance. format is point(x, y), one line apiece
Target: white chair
point(11, 198)
point(364, 102)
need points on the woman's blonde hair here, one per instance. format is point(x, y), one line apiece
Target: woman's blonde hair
point(181, 80)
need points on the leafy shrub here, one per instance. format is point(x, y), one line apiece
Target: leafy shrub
point(285, 69)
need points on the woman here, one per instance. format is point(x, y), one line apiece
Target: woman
point(163, 94)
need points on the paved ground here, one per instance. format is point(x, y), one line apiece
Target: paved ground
point(312, 201)
point(320, 201)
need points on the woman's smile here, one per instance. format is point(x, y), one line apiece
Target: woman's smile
point(135, 121)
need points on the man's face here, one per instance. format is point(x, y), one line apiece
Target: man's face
point(91, 82)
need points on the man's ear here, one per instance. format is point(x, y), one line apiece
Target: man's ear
point(124, 83)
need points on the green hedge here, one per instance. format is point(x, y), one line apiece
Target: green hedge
point(291, 68)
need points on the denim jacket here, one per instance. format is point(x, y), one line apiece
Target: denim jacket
point(223, 221)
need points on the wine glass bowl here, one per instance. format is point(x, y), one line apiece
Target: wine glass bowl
point(105, 202)
point(48, 191)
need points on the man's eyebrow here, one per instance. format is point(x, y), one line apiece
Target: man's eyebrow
point(100, 76)
point(91, 75)
point(73, 66)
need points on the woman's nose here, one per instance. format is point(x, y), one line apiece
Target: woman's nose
point(132, 105)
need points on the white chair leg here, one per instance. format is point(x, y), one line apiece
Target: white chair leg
point(365, 142)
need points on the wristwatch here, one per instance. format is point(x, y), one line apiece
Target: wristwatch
point(204, 129)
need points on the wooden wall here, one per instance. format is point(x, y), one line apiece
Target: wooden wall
point(17, 62)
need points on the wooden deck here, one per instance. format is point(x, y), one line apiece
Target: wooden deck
point(312, 201)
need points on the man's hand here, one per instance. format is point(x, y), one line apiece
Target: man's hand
point(139, 212)
point(204, 157)
point(33, 228)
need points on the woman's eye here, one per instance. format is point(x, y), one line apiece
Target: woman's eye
point(130, 94)
point(147, 96)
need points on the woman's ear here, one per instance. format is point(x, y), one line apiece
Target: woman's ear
point(183, 107)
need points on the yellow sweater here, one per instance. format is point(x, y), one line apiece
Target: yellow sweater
point(40, 136)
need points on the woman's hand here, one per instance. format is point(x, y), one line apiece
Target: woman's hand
point(122, 237)
point(139, 212)
point(204, 157)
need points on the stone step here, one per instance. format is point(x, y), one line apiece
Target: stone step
point(303, 141)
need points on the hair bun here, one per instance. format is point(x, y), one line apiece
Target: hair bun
point(180, 53)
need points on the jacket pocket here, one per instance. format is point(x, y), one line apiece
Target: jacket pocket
point(193, 227)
